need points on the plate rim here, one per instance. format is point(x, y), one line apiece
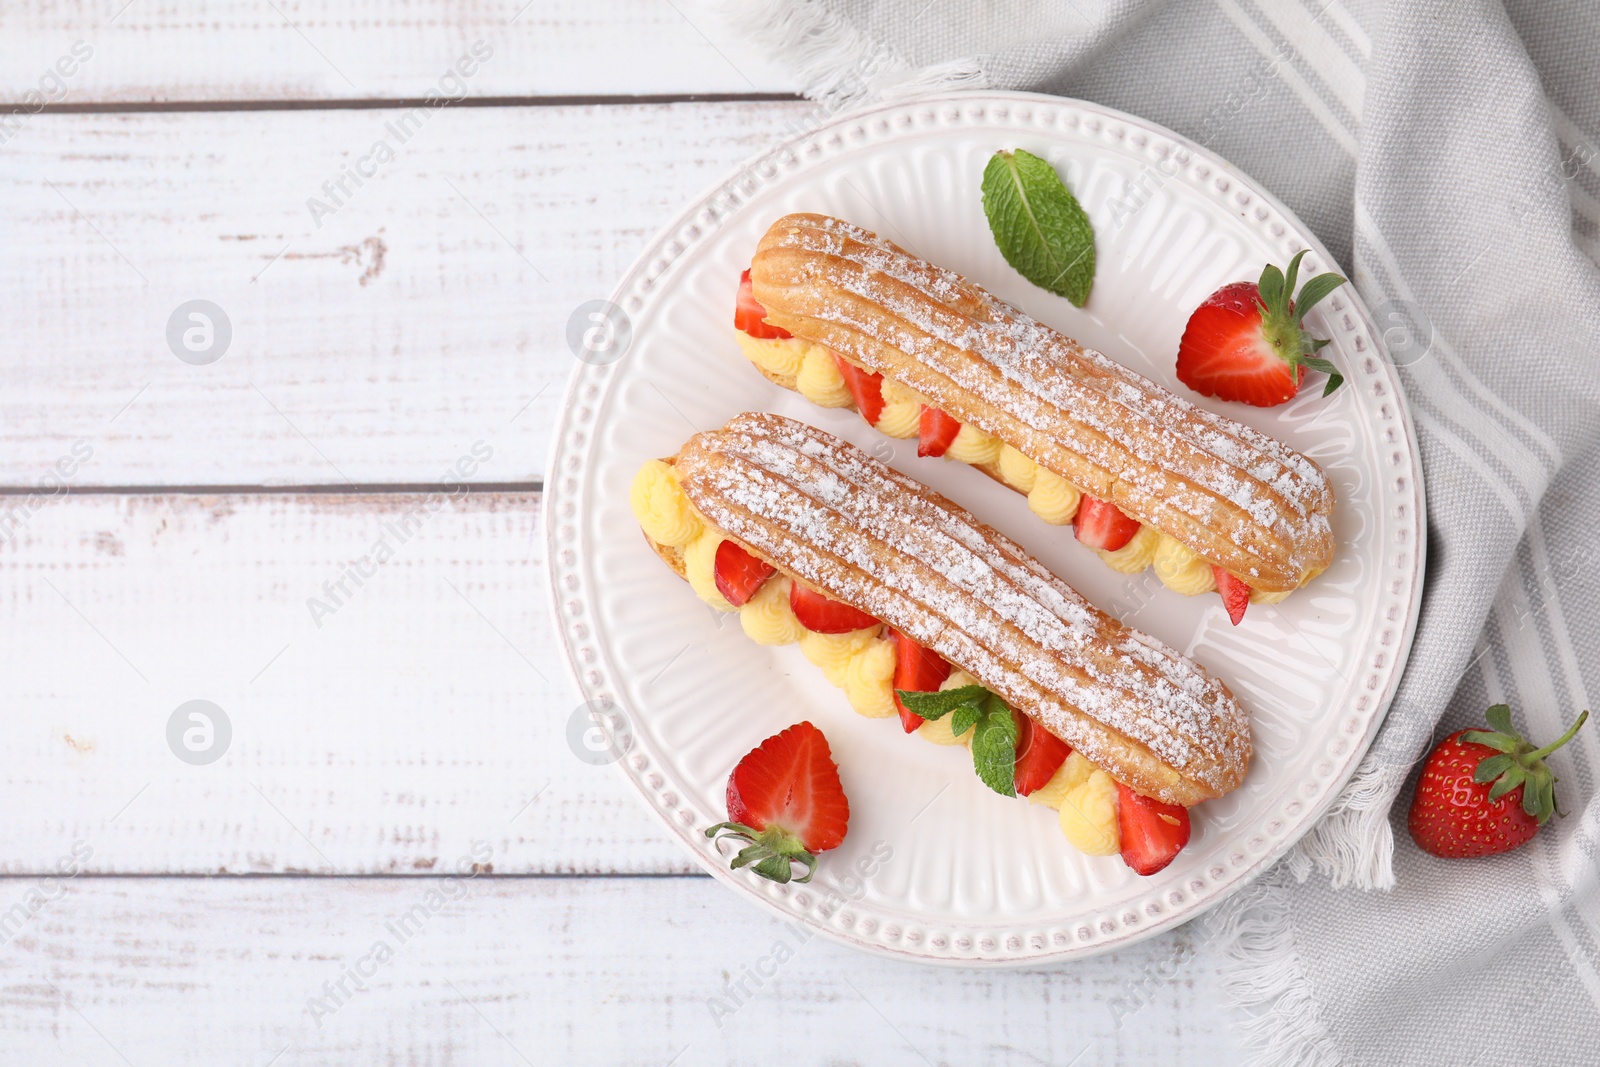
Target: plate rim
point(664, 249)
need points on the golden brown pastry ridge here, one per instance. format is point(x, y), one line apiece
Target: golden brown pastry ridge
point(1236, 497)
point(832, 517)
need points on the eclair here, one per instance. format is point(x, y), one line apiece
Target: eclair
point(896, 592)
point(1146, 478)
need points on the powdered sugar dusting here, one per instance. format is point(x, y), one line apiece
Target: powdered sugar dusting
point(1113, 432)
point(833, 516)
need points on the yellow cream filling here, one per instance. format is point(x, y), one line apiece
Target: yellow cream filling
point(663, 511)
point(1088, 815)
point(1017, 469)
point(902, 418)
point(1085, 799)
point(699, 560)
point(1136, 555)
point(819, 380)
point(1073, 772)
point(781, 356)
point(767, 617)
point(869, 680)
point(1181, 569)
point(973, 446)
point(1053, 498)
point(832, 652)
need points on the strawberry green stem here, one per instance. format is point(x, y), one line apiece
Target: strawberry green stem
point(1541, 753)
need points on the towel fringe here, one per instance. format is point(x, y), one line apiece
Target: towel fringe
point(838, 65)
point(1353, 843)
point(1281, 1024)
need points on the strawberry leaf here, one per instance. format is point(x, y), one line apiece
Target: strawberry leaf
point(1500, 742)
point(1271, 287)
point(1513, 777)
point(1313, 292)
point(1335, 379)
point(1493, 767)
point(1291, 275)
point(1038, 224)
point(1499, 718)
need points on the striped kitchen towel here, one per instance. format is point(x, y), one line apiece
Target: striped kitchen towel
point(1448, 154)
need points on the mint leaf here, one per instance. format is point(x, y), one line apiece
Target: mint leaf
point(933, 706)
point(1038, 224)
point(965, 717)
point(994, 747)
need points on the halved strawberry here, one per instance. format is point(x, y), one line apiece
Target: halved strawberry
point(738, 573)
point(865, 387)
point(1245, 342)
point(1040, 754)
point(750, 317)
point(785, 799)
point(824, 615)
point(1100, 524)
point(1235, 594)
point(935, 431)
point(1152, 832)
point(916, 670)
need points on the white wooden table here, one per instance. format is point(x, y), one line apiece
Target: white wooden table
point(164, 525)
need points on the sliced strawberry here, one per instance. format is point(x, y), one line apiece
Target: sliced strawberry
point(1246, 342)
point(786, 802)
point(1152, 832)
point(916, 670)
point(1040, 755)
point(750, 317)
point(865, 387)
point(738, 573)
point(1235, 594)
point(1100, 524)
point(935, 432)
point(824, 615)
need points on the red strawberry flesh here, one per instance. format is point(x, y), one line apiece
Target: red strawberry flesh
point(1152, 832)
point(1235, 594)
point(936, 431)
point(790, 783)
point(865, 388)
point(916, 670)
point(1102, 525)
point(750, 317)
point(1225, 354)
point(739, 574)
point(1040, 754)
point(823, 615)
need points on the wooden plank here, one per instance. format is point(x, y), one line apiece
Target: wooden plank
point(612, 972)
point(207, 50)
point(427, 709)
point(368, 346)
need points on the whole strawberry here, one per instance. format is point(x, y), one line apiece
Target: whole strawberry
point(1246, 342)
point(1482, 792)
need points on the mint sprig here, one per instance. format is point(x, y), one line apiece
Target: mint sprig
point(995, 732)
point(1038, 224)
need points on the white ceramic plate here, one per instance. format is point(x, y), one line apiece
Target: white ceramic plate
point(936, 867)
